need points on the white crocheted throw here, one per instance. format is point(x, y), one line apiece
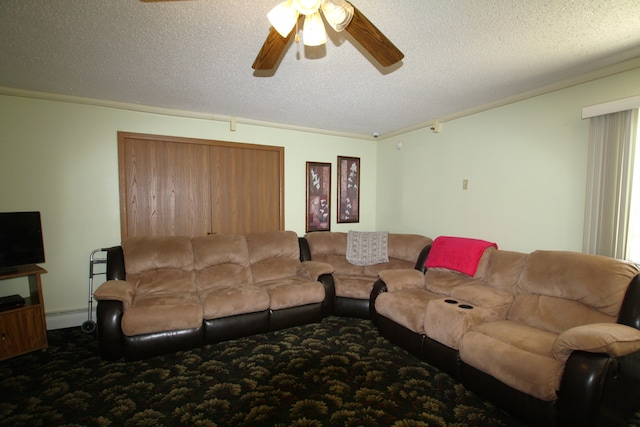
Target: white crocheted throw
point(367, 247)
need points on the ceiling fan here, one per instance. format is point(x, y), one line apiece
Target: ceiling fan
point(340, 14)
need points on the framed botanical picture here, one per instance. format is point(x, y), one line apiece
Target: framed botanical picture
point(318, 196)
point(349, 189)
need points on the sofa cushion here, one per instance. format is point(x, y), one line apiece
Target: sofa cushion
point(162, 312)
point(223, 301)
point(393, 264)
point(358, 287)
point(327, 243)
point(292, 292)
point(331, 247)
point(402, 279)
point(144, 254)
point(340, 264)
point(442, 281)
point(163, 281)
point(407, 247)
point(480, 294)
point(553, 314)
point(502, 269)
point(159, 264)
point(596, 281)
point(517, 354)
point(221, 261)
point(406, 307)
point(273, 255)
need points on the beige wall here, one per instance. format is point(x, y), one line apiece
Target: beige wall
point(526, 166)
point(525, 163)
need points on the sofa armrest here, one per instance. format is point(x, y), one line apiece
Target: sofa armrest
point(115, 264)
point(422, 258)
point(314, 269)
point(630, 310)
point(614, 339)
point(110, 337)
point(116, 290)
point(402, 279)
point(305, 251)
point(379, 287)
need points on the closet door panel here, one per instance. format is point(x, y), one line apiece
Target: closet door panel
point(167, 189)
point(246, 189)
point(184, 186)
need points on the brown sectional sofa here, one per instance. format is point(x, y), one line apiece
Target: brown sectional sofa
point(165, 294)
point(353, 283)
point(552, 337)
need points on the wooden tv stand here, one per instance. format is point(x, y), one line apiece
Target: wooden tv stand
point(24, 329)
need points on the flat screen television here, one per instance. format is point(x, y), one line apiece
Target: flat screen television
point(21, 240)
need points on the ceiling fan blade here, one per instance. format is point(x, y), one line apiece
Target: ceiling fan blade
point(271, 50)
point(376, 43)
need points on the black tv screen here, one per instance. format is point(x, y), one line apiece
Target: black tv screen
point(20, 239)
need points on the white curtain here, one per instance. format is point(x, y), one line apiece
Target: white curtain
point(609, 176)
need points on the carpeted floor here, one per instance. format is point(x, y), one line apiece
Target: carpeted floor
point(336, 373)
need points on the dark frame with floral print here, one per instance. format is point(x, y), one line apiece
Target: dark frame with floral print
point(318, 197)
point(348, 189)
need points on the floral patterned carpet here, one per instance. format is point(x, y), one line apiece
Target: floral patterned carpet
point(336, 373)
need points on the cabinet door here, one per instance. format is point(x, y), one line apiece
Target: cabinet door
point(21, 331)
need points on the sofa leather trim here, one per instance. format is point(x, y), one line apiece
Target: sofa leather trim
point(231, 327)
point(401, 336)
point(352, 307)
point(529, 409)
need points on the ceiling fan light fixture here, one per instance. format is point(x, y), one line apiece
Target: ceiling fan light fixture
point(313, 33)
point(307, 7)
point(338, 13)
point(283, 17)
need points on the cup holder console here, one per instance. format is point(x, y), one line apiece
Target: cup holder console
point(464, 306)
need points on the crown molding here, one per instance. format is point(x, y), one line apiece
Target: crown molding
point(617, 68)
point(233, 121)
point(562, 84)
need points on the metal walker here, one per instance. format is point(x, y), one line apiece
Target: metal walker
point(89, 326)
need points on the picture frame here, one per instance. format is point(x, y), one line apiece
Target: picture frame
point(318, 209)
point(348, 189)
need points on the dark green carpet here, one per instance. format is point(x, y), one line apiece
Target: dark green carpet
point(338, 373)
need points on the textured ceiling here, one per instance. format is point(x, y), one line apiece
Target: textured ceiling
point(196, 56)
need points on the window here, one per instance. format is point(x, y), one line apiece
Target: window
point(608, 214)
point(633, 236)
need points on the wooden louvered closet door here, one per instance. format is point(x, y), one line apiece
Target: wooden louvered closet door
point(180, 186)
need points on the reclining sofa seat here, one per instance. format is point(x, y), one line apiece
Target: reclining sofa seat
point(165, 294)
point(528, 342)
point(353, 283)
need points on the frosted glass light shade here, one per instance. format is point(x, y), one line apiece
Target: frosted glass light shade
point(338, 13)
point(307, 7)
point(314, 33)
point(283, 17)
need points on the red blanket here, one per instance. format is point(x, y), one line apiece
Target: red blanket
point(457, 253)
